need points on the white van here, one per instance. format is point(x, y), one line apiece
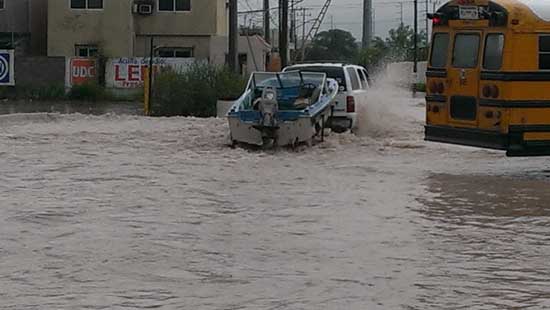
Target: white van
point(354, 83)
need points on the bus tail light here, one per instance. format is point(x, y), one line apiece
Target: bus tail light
point(486, 91)
point(437, 87)
point(433, 87)
point(440, 87)
point(490, 91)
point(438, 19)
point(494, 91)
point(350, 104)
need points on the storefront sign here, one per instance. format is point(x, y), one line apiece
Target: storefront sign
point(7, 68)
point(129, 72)
point(80, 71)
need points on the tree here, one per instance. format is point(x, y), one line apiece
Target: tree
point(401, 43)
point(373, 57)
point(335, 44)
point(398, 46)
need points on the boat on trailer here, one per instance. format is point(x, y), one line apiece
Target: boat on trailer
point(282, 109)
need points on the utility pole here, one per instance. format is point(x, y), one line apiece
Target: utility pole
point(233, 36)
point(373, 22)
point(367, 23)
point(427, 23)
point(401, 12)
point(303, 26)
point(415, 68)
point(267, 22)
point(293, 23)
point(283, 32)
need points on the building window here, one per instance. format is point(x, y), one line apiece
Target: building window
point(1, 4)
point(174, 5)
point(86, 50)
point(87, 4)
point(178, 52)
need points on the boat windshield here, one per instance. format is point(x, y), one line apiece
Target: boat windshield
point(293, 79)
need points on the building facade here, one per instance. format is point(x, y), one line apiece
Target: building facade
point(123, 28)
point(23, 25)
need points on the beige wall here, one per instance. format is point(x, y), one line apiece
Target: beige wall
point(203, 19)
point(111, 28)
point(223, 19)
point(120, 33)
point(256, 51)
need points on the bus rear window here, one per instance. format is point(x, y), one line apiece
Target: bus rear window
point(466, 50)
point(440, 47)
point(494, 44)
point(544, 52)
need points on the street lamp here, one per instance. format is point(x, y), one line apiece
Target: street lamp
point(152, 50)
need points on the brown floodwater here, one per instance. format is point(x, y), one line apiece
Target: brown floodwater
point(127, 212)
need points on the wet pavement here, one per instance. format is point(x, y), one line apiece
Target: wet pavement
point(126, 212)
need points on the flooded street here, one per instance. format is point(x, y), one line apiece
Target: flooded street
point(128, 212)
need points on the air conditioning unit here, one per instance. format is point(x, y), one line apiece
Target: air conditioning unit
point(143, 9)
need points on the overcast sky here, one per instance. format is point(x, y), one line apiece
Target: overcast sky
point(347, 14)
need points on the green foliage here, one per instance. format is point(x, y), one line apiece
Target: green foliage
point(373, 57)
point(335, 44)
point(88, 91)
point(195, 91)
point(50, 92)
point(398, 46)
point(419, 87)
point(401, 43)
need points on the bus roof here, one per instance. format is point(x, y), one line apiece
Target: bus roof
point(541, 8)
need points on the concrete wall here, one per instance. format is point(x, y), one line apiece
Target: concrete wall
point(200, 45)
point(38, 26)
point(218, 50)
point(111, 29)
point(15, 16)
point(28, 20)
point(39, 71)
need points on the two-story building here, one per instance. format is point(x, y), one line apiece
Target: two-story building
point(122, 28)
point(23, 25)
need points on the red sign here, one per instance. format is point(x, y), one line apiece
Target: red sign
point(83, 70)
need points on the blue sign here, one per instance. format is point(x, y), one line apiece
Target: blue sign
point(7, 72)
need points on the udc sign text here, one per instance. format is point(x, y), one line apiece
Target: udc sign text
point(80, 71)
point(7, 68)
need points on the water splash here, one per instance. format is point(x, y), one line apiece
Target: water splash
point(388, 111)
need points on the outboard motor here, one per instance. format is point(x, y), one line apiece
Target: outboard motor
point(268, 107)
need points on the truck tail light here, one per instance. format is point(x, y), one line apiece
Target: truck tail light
point(350, 104)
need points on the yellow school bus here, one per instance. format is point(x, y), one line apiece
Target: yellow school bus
point(488, 77)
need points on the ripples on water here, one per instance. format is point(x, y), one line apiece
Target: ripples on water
point(124, 212)
point(486, 241)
